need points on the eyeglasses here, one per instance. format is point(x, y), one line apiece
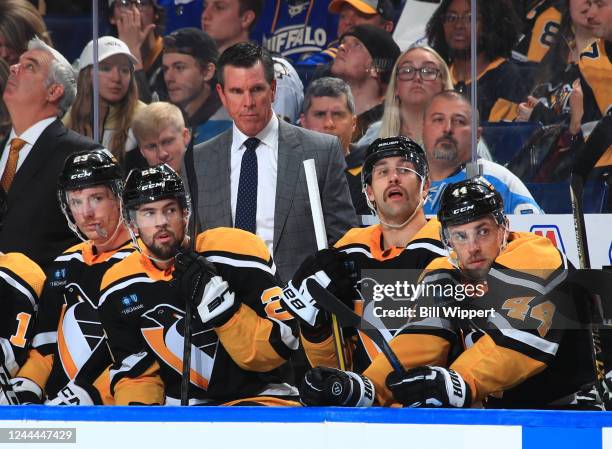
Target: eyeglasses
point(138, 3)
point(455, 18)
point(408, 73)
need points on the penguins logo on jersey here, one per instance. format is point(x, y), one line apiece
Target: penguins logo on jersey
point(165, 337)
point(80, 332)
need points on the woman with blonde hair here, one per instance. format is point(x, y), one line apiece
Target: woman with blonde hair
point(419, 74)
point(118, 102)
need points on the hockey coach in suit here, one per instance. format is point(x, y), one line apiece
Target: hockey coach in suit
point(252, 177)
point(40, 88)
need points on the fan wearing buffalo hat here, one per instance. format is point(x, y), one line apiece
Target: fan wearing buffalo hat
point(365, 59)
point(118, 96)
point(189, 62)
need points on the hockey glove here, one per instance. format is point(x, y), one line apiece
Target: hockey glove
point(329, 386)
point(429, 386)
point(199, 281)
point(73, 394)
point(606, 390)
point(332, 270)
point(27, 391)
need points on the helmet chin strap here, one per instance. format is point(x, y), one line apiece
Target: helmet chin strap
point(147, 253)
point(102, 233)
point(416, 209)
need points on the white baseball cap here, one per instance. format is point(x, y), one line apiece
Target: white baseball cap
point(107, 47)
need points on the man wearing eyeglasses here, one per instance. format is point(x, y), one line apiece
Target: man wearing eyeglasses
point(365, 60)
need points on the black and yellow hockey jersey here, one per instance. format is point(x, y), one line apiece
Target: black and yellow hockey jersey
point(243, 359)
point(596, 81)
point(502, 85)
point(364, 246)
point(543, 22)
point(69, 342)
point(520, 353)
point(21, 281)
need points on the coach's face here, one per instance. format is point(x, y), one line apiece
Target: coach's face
point(248, 97)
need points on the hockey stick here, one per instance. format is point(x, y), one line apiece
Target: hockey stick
point(7, 388)
point(596, 145)
point(321, 236)
point(349, 318)
point(192, 233)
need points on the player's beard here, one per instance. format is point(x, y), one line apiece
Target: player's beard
point(168, 250)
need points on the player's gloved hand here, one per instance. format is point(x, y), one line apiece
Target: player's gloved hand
point(211, 295)
point(429, 386)
point(73, 394)
point(329, 386)
point(332, 270)
point(25, 390)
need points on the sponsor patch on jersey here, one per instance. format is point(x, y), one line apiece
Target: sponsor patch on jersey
point(130, 304)
point(59, 278)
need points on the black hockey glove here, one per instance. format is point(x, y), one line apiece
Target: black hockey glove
point(199, 282)
point(329, 386)
point(429, 386)
point(332, 270)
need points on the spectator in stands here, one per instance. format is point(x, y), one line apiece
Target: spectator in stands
point(161, 134)
point(502, 83)
point(40, 88)
point(189, 72)
point(447, 139)
point(5, 119)
point(329, 108)
point(419, 74)
point(118, 98)
point(553, 100)
point(379, 13)
point(229, 22)
point(140, 24)
point(541, 22)
point(596, 75)
point(365, 60)
point(19, 22)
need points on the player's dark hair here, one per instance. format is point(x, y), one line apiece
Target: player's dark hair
point(499, 29)
point(246, 55)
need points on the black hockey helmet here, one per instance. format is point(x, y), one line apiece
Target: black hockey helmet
point(468, 200)
point(89, 168)
point(153, 184)
point(390, 147)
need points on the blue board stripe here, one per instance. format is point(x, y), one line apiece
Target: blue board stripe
point(532, 418)
point(562, 438)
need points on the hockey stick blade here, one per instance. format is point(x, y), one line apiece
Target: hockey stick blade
point(349, 318)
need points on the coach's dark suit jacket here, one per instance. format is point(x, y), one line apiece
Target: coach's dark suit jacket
point(34, 224)
point(294, 237)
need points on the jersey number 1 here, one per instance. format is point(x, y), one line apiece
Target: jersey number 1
point(23, 320)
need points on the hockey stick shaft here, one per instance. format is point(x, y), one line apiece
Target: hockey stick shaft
point(321, 237)
point(347, 317)
point(596, 145)
point(192, 233)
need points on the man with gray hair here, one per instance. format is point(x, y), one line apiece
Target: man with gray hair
point(39, 90)
point(329, 108)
